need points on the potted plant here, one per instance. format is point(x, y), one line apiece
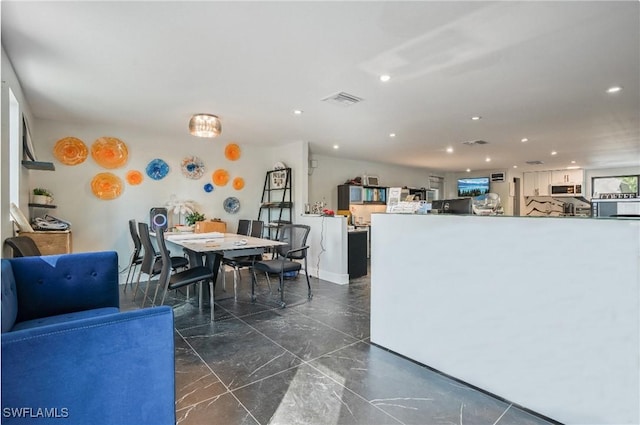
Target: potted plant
point(191, 218)
point(42, 196)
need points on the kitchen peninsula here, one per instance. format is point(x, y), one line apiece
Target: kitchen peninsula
point(543, 312)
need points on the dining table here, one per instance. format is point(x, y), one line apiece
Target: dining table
point(208, 249)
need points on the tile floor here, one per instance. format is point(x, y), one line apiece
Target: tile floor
point(310, 363)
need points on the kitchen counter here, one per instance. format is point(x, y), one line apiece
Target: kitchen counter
point(542, 312)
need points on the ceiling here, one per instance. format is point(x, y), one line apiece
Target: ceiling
point(536, 70)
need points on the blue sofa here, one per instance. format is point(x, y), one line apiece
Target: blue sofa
point(69, 356)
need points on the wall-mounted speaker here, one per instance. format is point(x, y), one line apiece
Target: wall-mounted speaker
point(158, 219)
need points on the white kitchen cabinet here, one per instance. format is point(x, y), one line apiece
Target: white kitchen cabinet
point(536, 183)
point(567, 176)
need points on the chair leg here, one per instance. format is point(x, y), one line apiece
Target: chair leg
point(146, 290)
point(282, 304)
point(224, 277)
point(306, 273)
point(137, 283)
point(211, 301)
point(131, 267)
point(253, 284)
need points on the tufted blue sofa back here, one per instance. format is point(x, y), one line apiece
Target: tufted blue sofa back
point(57, 284)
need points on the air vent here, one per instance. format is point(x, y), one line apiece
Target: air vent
point(536, 162)
point(475, 142)
point(342, 99)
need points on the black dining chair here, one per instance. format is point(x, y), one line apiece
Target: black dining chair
point(286, 258)
point(136, 256)
point(255, 230)
point(152, 260)
point(244, 227)
point(190, 276)
point(23, 246)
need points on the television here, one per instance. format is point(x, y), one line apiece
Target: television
point(474, 186)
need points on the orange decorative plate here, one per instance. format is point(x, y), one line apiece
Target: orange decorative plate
point(238, 183)
point(106, 186)
point(70, 151)
point(232, 152)
point(220, 177)
point(109, 152)
point(134, 177)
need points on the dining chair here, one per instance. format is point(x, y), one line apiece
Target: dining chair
point(136, 256)
point(244, 227)
point(236, 263)
point(286, 258)
point(190, 276)
point(152, 260)
point(23, 246)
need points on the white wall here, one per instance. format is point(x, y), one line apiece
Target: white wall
point(102, 225)
point(589, 174)
point(333, 171)
point(10, 81)
point(544, 312)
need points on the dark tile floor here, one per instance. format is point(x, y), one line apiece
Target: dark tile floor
point(310, 363)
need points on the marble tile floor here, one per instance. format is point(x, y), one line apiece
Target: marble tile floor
point(311, 363)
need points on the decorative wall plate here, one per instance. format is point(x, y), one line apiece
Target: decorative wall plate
point(192, 167)
point(238, 183)
point(208, 187)
point(232, 152)
point(231, 205)
point(109, 152)
point(220, 177)
point(157, 169)
point(106, 186)
point(70, 151)
point(134, 177)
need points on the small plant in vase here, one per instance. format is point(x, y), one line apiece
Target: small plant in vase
point(42, 196)
point(191, 218)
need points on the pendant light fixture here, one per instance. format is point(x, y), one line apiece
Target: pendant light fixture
point(205, 125)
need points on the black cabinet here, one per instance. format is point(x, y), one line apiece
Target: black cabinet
point(352, 194)
point(357, 254)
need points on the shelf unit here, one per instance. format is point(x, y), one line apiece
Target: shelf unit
point(276, 203)
point(366, 195)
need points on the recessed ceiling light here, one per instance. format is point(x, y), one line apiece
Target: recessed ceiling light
point(573, 162)
point(573, 167)
point(487, 159)
point(476, 118)
point(468, 170)
point(614, 89)
point(298, 112)
point(515, 166)
point(385, 78)
point(336, 147)
point(524, 139)
point(554, 153)
point(449, 149)
point(392, 134)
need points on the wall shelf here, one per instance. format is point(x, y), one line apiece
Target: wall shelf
point(31, 205)
point(38, 165)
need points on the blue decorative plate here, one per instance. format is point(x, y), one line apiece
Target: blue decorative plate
point(157, 169)
point(192, 167)
point(231, 205)
point(208, 187)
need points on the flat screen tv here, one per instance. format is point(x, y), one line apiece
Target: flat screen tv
point(471, 187)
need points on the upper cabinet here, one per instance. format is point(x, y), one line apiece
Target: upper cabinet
point(351, 194)
point(536, 183)
point(567, 176)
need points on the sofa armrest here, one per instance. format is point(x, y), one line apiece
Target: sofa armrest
point(57, 284)
point(114, 369)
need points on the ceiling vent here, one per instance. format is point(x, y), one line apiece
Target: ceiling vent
point(536, 162)
point(342, 99)
point(475, 142)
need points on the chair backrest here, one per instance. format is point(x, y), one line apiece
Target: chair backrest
point(256, 228)
point(244, 227)
point(23, 246)
point(137, 245)
point(149, 251)
point(295, 237)
point(165, 255)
